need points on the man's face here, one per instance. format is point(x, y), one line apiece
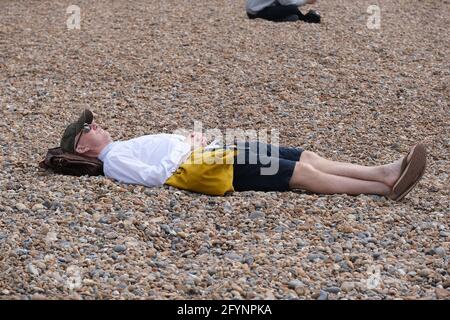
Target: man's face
point(92, 139)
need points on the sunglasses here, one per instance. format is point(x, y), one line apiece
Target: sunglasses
point(86, 128)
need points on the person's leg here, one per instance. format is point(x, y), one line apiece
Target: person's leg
point(308, 178)
point(280, 13)
point(252, 171)
point(247, 175)
point(386, 174)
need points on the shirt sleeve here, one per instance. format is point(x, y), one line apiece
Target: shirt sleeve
point(132, 171)
point(179, 137)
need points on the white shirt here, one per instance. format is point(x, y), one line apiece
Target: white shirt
point(254, 6)
point(148, 160)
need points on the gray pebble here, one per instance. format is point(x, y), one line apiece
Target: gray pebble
point(111, 235)
point(334, 290)
point(248, 259)
point(203, 250)
point(440, 251)
point(280, 229)
point(344, 266)
point(21, 251)
point(347, 286)
point(105, 220)
point(233, 256)
point(376, 255)
point(257, 215)
point(32, 269)
point(227, 208)
point(301, 243)
point(122, 286)
point(314, 257)
point(323, 295)
point(168, 230)
point(293, 284)
point(120, 248)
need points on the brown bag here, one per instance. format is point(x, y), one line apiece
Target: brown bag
point(71, 164)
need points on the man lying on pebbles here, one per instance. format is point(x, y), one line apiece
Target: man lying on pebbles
point(281, 10)
point(154, 160)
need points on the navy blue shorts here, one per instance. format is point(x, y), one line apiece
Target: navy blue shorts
point(264, 167)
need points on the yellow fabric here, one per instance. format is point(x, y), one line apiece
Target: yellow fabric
point(208, 172)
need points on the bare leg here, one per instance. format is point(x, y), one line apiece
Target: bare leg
point(307, 177)
point(386, 174)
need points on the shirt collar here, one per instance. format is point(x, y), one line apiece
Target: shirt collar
point(105, 151)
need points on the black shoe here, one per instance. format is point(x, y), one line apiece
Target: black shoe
point(290, 18)
point(312, 17)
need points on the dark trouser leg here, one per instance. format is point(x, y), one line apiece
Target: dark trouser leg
point(263, 149)
point(264, 167)
point(279, 13)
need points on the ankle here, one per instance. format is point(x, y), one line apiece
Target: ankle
point(387, 190)
point(385, 174)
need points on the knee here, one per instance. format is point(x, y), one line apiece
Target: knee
point(308, 157)
point(305, 169)
point(303, 172)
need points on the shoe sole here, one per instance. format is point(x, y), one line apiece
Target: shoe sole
point(411, 175)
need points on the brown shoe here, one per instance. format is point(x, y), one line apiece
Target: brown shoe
point(411, 172)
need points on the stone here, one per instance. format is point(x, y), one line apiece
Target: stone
point(315, 257)
point(348, 245)
point(401, 272)
point(37, 207)
point(227, 207)
point(38, 296)
point(20, 206)
point(293, 284)
point(182, 234)
point(120, 248)
point(323, 295)
point(257, 215)
point(440, 251)
point(347, 286)
point(425, 272)
point(188, 253)
point(345, 228)
point(32, 269)
point(233, 256)
point(51, 236)
point(111, 235)
point(334, 290)
point(442, 293)
point(376, 255)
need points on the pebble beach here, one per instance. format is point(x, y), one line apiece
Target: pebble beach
point(341, 89)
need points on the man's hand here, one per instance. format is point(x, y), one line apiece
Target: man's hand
point(196, 140)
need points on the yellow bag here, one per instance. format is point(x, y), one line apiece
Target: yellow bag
point(208, 172)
